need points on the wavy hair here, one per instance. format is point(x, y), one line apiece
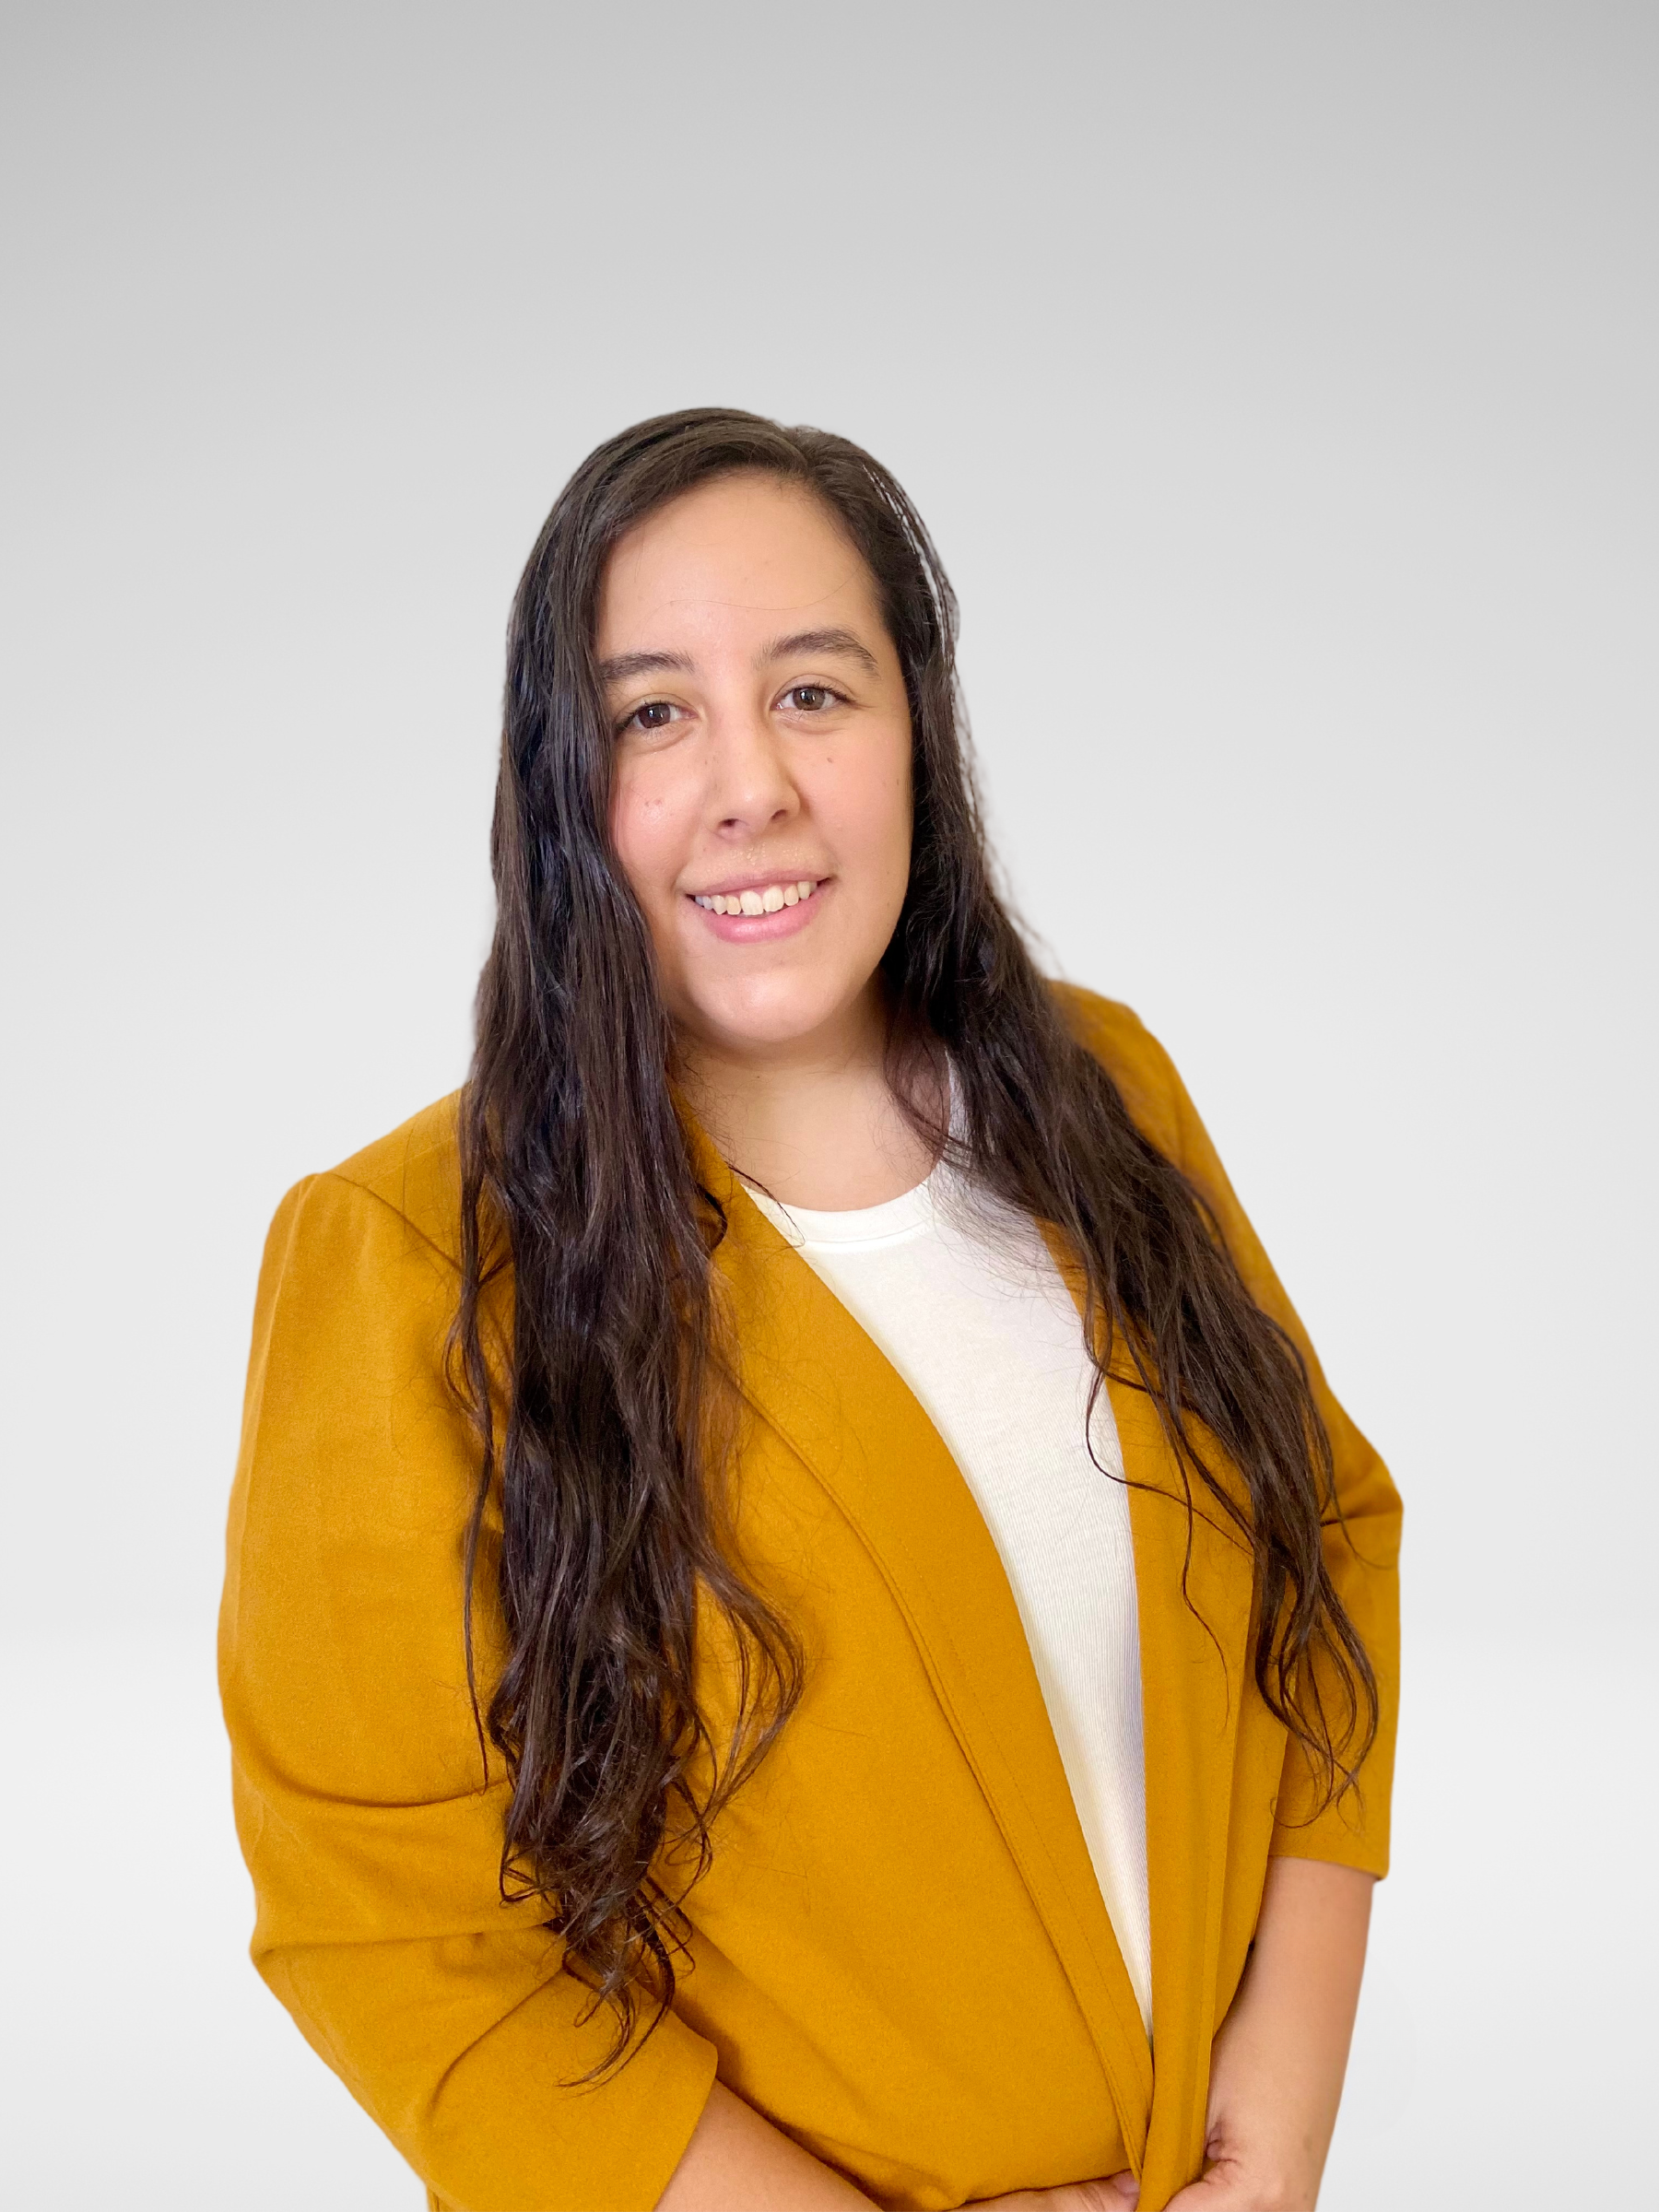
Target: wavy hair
point(603, 1414)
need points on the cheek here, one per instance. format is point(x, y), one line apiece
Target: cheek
point(871, 808)
point(647, 831)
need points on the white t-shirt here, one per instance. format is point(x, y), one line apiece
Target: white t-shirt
point(963, 1297)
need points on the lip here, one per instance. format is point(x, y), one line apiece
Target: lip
point(728, 883)
point(759, 929)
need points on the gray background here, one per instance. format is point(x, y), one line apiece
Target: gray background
point(1279, 383)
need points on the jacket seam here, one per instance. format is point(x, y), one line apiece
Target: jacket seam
point(366, 1190)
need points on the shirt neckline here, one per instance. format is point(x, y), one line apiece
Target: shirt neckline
point(807, 1227)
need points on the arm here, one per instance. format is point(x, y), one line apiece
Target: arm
point(1361, 1546)
point(371, 1832)
point(1275, 2075)
point(736, 2161)
point(1361, 1542)
point(1279, 2058)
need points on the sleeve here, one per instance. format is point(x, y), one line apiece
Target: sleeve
point(369, 1822)
point(1361, 1545)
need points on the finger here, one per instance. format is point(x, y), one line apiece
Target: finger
point(1216, 2192)
point(1116, 2194)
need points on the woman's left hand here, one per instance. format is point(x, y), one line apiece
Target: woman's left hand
point(1245, 2175)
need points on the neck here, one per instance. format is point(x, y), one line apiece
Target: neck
point(812, 1121)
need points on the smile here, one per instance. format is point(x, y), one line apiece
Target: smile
point(768, 900)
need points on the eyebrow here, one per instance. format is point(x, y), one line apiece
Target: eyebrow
point(820, 640)
point(621, 666)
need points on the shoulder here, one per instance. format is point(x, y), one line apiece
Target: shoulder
point(383, 1226)
point(1132, 1057)
point(357, 1282)
point(411, 1176)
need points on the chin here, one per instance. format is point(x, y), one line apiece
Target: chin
point(763, 1019)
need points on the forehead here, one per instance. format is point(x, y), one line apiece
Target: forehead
point(732, 557)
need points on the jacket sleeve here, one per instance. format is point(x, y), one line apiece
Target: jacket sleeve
point(369, 1823)
point(1362, 1543)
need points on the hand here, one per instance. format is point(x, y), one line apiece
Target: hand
point(1116, 2194)
point(1260, 2155)
point(1247, 2179)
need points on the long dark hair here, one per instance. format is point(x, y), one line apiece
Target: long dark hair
point(599, 1410)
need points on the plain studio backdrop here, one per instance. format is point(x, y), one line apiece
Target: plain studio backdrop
point(1279, 383)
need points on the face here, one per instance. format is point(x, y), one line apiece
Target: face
point(761, 805)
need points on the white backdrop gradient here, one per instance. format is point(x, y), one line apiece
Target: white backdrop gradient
point(1279, 383)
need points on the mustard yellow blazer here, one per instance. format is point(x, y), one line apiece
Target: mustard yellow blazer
point(900, 1955)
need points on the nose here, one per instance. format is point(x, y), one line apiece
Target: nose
point(751, 789)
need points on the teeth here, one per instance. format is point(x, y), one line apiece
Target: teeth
point(769, 901)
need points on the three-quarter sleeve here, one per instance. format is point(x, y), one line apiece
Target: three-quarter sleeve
point(1361, 1542)
point(370, 1822)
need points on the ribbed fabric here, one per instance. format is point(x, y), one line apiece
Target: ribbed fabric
point(964, 1298)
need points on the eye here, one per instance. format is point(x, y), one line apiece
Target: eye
point(655, 715)
point(810, 698)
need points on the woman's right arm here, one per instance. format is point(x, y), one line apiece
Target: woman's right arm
point(370, 1832)
point(738, 2162)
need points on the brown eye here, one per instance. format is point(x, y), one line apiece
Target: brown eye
point(809, 699)
point(655, 715)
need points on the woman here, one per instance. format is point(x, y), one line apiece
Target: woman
point(798, 1607)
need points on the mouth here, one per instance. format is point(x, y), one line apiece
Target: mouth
point(753, 913)
point(757, 898)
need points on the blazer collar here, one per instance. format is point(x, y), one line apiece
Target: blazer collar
point(815, 1377)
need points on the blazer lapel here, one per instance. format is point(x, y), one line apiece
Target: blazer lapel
point(1194, 1607)
point(814, 1375)
point(1193, 1670)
